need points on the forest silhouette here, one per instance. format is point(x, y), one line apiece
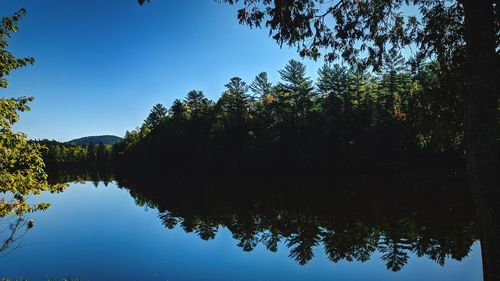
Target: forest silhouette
point(347, 118)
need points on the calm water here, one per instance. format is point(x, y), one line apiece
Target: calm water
point(116, 232)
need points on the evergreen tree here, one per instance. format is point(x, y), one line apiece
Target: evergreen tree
point(178, 111)
point(261, 87)
point(333, 89)
point(236, 101)
point(156, 116)
point(197, 104)
point(297, 88)
point(294, 77)
point(233, 108)
point(359, 97)
point(392, 81)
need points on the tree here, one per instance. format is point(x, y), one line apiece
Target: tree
point(392, 84)
point(235, 102)
point(199, 125)
point(362, 31)
point(178, 110)
point(21, 164)
point(435, 123)
point(156, 116)
point(261, 86)
point(197, 104)
point(265, 97)
point(8, 61)
point(358, 100)
point(333, 90)
point(298, 85)
point(332, 80)
point(233, 112)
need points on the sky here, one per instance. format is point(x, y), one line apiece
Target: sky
point(102, 65)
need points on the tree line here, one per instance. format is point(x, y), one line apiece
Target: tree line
point(57, 153)
point(346, 114)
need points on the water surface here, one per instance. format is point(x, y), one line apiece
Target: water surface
point(126, 232)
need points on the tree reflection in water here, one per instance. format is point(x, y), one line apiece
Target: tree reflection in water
point(350, 218)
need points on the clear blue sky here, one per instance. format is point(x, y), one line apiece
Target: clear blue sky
point(101, 65)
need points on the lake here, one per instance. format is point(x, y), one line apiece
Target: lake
point(122, 229)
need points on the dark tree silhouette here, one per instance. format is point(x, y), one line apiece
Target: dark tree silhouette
point(157, 115)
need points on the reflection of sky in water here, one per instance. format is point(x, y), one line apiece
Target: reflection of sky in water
point(100, 234)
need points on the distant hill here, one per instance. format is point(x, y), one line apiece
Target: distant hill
point(108, 139)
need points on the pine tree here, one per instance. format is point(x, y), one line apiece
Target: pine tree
point(156, 116)
point(236, 101)
point(261, 87)
point(233, 108)
point(197, 104)
point(178, 110)
point(298, 87)
point(333, 85)
point(392, 82)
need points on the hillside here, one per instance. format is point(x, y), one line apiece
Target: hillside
point(106, 139)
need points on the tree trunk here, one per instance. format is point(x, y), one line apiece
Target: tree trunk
point(481, 129)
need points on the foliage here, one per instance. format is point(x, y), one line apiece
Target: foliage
point(261, 87)
point(21, 163)
point(57, 153)
point(359, 31)
point(8, 61)
point(158, 113)
point(347, 110)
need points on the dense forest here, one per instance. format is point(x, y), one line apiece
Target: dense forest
point(348, 117)
point(57, 153)
point(90, 150)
